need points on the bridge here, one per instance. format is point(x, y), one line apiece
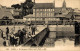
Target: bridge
point(55, 32)
point(37, 40)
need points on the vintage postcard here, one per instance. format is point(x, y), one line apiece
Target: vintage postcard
point(39, 25)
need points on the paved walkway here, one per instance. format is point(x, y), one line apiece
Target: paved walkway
point(1, 41)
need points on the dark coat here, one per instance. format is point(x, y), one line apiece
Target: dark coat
point(7, 30)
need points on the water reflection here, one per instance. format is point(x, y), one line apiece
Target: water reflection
point(60, 38)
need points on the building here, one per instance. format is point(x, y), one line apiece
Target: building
point(17, 14)
point(48, 11)
point(42, 12)
point(5, 11)
point(5, 15)
point(62, 10)
point(77, 10)
point(77, 16)
point(6, 21)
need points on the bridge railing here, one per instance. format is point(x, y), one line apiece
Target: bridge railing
point(67, 22)
point(36, 40)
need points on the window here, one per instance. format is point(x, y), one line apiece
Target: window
point(53, 9)
point(33, 10)
point(49, 10)
point(41, 14)
point(40, 9)
point(45, 9)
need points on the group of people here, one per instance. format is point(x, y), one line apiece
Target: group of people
point(14, 38)
point(19, 37)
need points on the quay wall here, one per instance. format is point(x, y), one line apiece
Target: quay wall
point(62, 30)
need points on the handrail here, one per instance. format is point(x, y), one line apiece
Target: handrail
point(37, 39)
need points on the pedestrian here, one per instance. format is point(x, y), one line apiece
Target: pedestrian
point(33, 30)
point(24, 31)
point(29, 32)
point(24, 34)
point(21, 35)
point(19, 32)
point(12, 39)
point(16, 38)
point(1, 33)
point(13, 30)
point(7, 32)
point(4, 43)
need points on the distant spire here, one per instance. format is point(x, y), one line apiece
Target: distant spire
point(54, 3)
point(64, 4)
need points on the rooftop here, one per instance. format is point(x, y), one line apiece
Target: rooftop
point(43, 5)
point(4, 12)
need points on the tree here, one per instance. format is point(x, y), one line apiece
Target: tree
point(27, 7)
point(16, 6)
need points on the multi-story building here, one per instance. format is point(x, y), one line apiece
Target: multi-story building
point(42, 12)
point(48, 11)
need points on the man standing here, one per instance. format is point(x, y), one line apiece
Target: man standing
point(1, 33)
point(33, 30)
point(21, 35)
point(7, 32)
point(24, 34)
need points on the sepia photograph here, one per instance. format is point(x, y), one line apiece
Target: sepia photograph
point(39, 24)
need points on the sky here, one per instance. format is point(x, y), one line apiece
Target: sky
point(69, 3)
